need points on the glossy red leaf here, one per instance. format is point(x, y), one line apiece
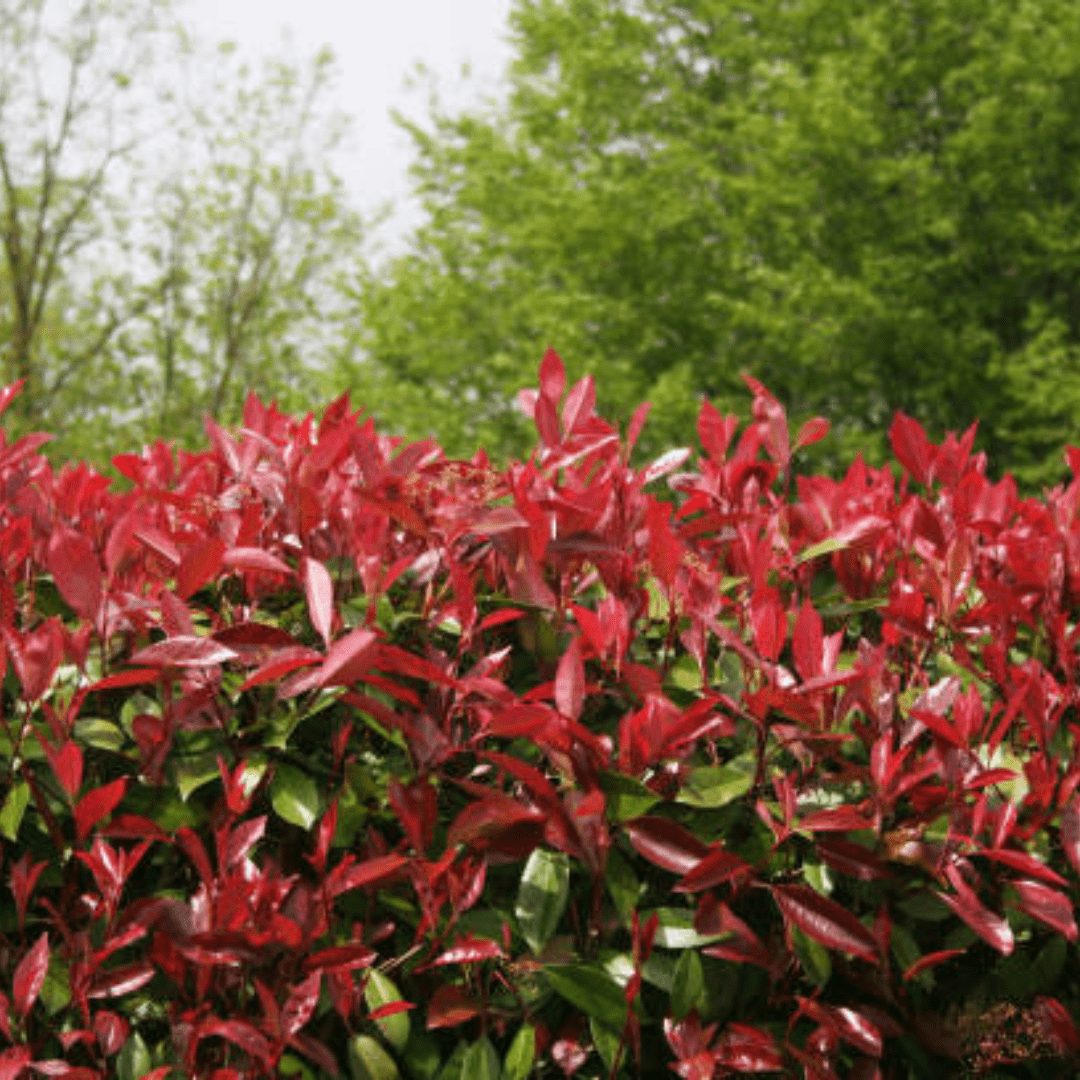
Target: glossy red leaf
point(1024, 863)
point(67, 766)
point(547, 421)
point(715, 432)
point(835, 819)
point(1047, 905)
point(1058, 1023)
point(242, 839)
point(579, 406)
point(552, 375)
point(349, 657)
point(1070, 831)
point(365, 874)
point(301, 1004)
point(911, 446)
point(469, 949)
point(76, 570)
point(450, 1006)
point(848, 857)
point(806, 642)
point(97, 804)
point(990, 927)
point(29, 977)
point(284, 662)
point(930, 960)
point(825, 921)
point(24, 878)
point(769, 623)
point(14, 1061)
point(570, 681)
point(812, 431)
point(391, 1008)
point(184, 652)
point(111, 1031)
point(319, 591)
point(717, 867)
point(744, 1048)
point(666, 844)
point(255, 559)
point(341, 958)
point(199, 564)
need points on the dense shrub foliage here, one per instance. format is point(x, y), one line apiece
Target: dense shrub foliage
point(323, 755)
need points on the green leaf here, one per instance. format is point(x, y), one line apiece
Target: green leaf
point(481, 1062)
point(626, 797)
point(453, 1070)
point(542, 896)
point(369, 1061)
point(590, 989)
point(421, 1056)
point(193, 770)
point(11, 815)
point(133, 1061)
point(685, 674)
point(819, 878)
point(623, 886)
point(295, 797)
point(688, 989)
point(102, 734)
point(676, 930)
point(381, 991)
point(521, 1055)
point(606, 1041)
point(713, 786)
point(813, 956)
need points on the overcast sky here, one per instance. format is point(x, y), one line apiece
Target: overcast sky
point(377, 44)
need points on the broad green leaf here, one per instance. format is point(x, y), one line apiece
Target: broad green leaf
point(295, 797)
point(591, 989)
point(481, 1062)
point(623, 885)
point(99, 733)
point(627, 798)
point(453, 1070)
point(813, 956)
point(685, 674)
point(421, 1056)
point(606, 1041)
point(688, 988)
point(381, 991)
point(676, 929)
point(11, 815)
point(133, 1061)
point(369, 1061)
point(713, 786)
point(521, 1055)
point(291, 1065)
point(819, 877)
point(542, 896)
point(193, 770)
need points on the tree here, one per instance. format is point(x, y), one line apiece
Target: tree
point(867, 206)
point(172, 231)
point(68, 129)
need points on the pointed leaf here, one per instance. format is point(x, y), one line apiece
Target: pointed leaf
point(199, 565)
point(666, 843)
point(552, 375)
point(76, 570)
point(301, 1004)
point(319, 590)
point(379, 992)
point(570, 681)
point(30, 977)
point(1048, 906)
point(295, 797)
point(825, 921)
point(542, 896)
point(184, 651)
point(97, 804)
point(990, 927)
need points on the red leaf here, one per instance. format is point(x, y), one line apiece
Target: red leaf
point(13, 1061)
point(282, 663)
point(852, 859)
point(990, 927)
point(242, 839)
point(391, 1008)
point(911, 447)
point(1058, 1024)
point(96, 804)
point(256, 636)
point(253, 558)
point(184, 651)
point(341, 958)
point(319, 590)
point(449, 1007)
point(199, 564)
point(570, 681)
point(714, 431)
point(67, 766)
point(301, 1004)
point(349, 657)
point(76, 570)
point(931, 960)
point(637, 422)
point(469, 950)
point(1070, 831)
point(1047, 905)
point(111, 1031)
point(666, 844)
point(9, 393)
point(717, 867)
point(746, 1049)
point(806, 641)
point(812, 431)
point(1024, 863)
point(769, 623)
point(664, 464)
point(240, 1033)
point(834, 819)
point(30, 977)
point(580, 403)
point(552, 376)
point(547, 421)
point(825, 921)
point(366, 873)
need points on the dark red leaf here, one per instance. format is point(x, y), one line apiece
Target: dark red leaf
point(349, 657)
point(1070, 831)
point(825, 921)
point(1058, 1023)
point(852, 859)
point(30, 977)
point(367, 873)
point(449, 1006)
point(835, 819)
point(111, 1031)
point(931, 960)
point(717, 867)
point(255, 635)
point(990, 927)
point(242, 839)
point(469, 949)
point(1047, 905)
point(67, 766)
point(747, 1049)
point(301, 1004)
point(1024, 863)
point(666, 843)
point(806, 641)
point(96, 804)
point(341, 958)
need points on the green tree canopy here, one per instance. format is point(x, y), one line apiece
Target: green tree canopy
point(866, 206)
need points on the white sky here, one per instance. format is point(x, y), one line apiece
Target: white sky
point(377, 44)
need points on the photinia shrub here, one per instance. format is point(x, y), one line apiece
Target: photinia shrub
point(322, 755)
